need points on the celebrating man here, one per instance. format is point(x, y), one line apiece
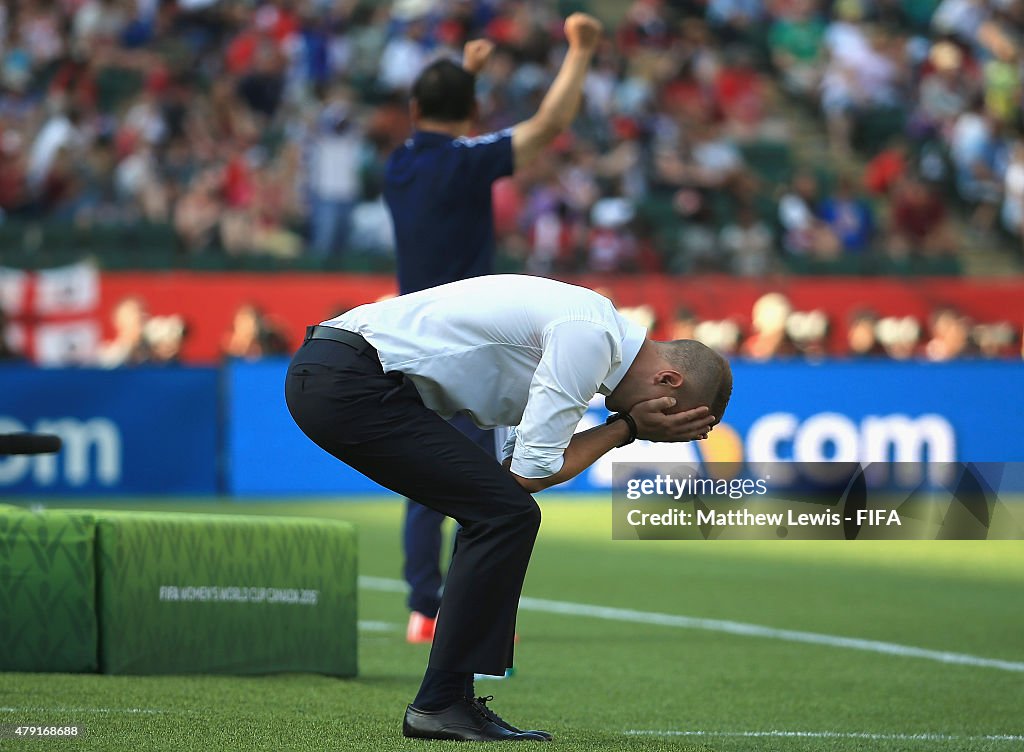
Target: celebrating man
point(438, 189)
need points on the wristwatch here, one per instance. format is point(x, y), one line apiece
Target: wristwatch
point(628, 419)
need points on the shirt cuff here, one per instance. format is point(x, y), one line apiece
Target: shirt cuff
point(529, 462)
point(510, 444)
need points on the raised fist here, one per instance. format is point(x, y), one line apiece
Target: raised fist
point(583, 31)
point(476, 54)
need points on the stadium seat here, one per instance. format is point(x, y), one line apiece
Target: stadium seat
point(307, 263)
point(771, 160)
point(12, 243)
point(209, 260)
point(256, 263)
point(875, 128)
point(921, 266)
point(842, 266)
point(117, 85)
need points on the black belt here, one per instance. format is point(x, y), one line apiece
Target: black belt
point(343, 336)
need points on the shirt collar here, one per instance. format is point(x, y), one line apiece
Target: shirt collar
point(631, 343)
point(430, 137)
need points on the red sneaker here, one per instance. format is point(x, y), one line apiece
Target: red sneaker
point(420, 630)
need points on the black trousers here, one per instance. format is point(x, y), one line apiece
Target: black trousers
point(376, 423)
point(421, 534)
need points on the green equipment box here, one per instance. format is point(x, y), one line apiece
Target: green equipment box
point(230, 594)
point(47, 591)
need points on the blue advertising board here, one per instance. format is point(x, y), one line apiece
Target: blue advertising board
point(856, 411)
point(266, 451)
point(128, 431)
point(165, 430)
point(808, 412)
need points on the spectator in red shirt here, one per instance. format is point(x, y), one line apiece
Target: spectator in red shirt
point(643, 26)
point(13, 168)
point(918, 222)
point(739, 94)
point(238, 183)
point(885, 170)
point(75, 81)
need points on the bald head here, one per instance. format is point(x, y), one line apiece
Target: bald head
point(707, 378)
point(691, 372)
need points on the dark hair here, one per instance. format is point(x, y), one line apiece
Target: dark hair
point(445, 91)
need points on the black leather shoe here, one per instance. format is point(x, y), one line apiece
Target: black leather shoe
point(495, 718)
point(462, 721)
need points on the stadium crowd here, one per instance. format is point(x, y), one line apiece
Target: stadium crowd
point(142, 339)
point(776, 330)
point(943, 74)
point(263, 128)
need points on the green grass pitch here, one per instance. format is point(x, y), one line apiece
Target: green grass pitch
point(595, 682)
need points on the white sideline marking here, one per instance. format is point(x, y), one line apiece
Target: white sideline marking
point(146, 711)
point(378, 626)
point(385, 584)
point(730, 627)
point(837, 735)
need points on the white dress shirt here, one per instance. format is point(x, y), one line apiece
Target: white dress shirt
point(508, 350)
